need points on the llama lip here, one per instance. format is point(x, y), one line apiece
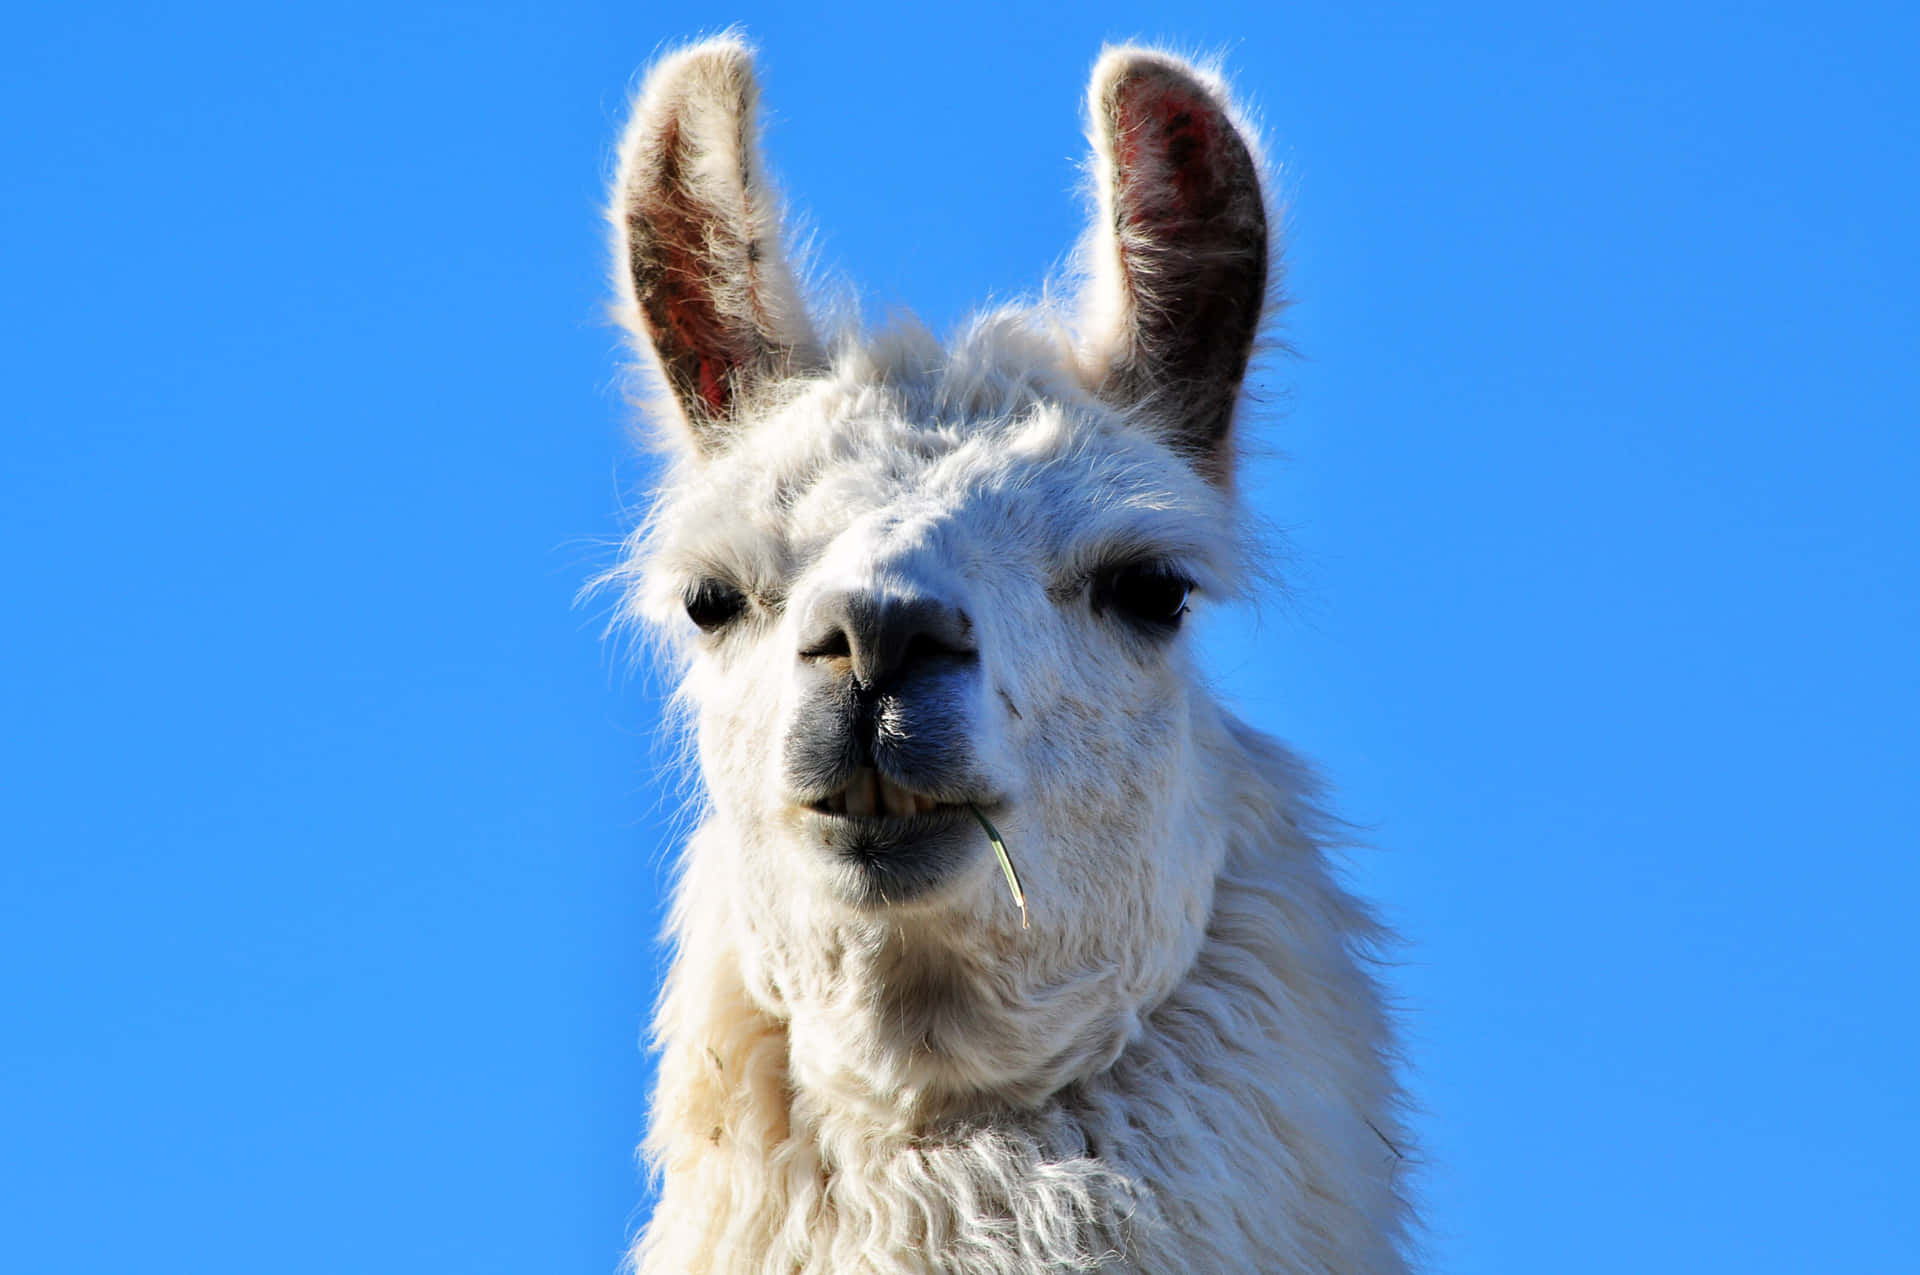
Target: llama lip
point(887, 845)
point(869, 794)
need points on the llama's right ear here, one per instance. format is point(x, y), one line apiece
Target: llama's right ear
point(1177, 258)
point(702, 279)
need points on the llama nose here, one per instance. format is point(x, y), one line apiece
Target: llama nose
point(885, 636)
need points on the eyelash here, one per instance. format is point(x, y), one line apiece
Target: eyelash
point(1151, 594)
point(712, 604)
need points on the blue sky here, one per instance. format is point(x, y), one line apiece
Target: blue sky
point(334, 832)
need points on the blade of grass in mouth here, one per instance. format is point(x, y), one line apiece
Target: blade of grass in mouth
point(1006, 863)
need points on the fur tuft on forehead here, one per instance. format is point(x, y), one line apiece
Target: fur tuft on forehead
point(1001, 362)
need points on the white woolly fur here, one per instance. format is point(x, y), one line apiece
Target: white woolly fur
point(1185, 1064)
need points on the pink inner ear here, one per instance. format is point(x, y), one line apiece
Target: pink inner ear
point(695, 344)
point(689, 333)
point(1165, 134)
point(1191, 237)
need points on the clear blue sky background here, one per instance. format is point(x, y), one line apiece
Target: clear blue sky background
point(333, 832)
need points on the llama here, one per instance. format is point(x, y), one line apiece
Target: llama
point(906, 584)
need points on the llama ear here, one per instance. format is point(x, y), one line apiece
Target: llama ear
point(698, 263)
point(1177, 260)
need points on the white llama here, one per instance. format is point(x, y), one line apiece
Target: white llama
point(905, 583)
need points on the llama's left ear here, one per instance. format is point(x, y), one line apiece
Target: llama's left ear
point(698, 260)
point(1178, 258)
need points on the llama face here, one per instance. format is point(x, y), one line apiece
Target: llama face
point(897, 607)
point(910, 580)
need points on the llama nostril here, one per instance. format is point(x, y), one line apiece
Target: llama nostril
point(884, 635)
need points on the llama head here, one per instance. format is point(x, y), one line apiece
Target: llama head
point(906, 580)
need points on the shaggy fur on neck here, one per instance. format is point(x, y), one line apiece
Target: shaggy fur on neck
point(1248, 1122)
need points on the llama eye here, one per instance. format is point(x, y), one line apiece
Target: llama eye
point(714, 603)
point(1151, 595)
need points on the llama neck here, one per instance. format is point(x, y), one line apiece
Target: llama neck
point(1252, 1109)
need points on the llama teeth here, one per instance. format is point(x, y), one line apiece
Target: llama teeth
point(869, 794)
point(897, 800)
point(860, 794)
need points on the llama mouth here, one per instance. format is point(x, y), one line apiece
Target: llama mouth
point(869, 794)
point(887, 845)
